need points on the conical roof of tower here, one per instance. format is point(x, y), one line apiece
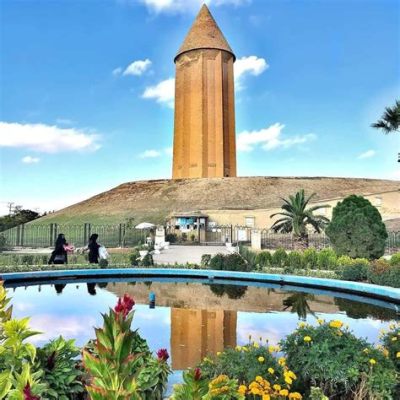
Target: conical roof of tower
point(204, 34)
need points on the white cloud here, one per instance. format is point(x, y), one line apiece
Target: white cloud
point(150, 154)
point(251, 65)
point(182, 6)
point(30, 160)
point(367, 154)
point(117, 71)
point(156, 153)
point(163, 92)
point(137, 68)
point(46, 138)
point(269, 138)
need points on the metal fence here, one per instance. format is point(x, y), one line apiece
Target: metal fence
point(118, 235)
point(121, 235)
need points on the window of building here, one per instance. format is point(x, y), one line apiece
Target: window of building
point(250, 222)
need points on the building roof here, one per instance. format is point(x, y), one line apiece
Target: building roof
point(204, 34)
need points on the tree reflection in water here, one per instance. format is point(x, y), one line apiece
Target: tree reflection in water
point(298, 303)
point(232, 291)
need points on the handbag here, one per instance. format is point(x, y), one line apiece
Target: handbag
point(59, 257)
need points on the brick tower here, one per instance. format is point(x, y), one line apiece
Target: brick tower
point(204, 131)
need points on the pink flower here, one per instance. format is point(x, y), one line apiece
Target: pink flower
point(124, 305)
point(197, 374)
point(162, 355)
point(28, 394)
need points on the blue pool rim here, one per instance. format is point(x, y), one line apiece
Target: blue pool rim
point(362, 289)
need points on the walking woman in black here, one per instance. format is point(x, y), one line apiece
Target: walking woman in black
point(93, 247)
point(59, 254)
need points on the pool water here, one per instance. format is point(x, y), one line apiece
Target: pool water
point(191, 319)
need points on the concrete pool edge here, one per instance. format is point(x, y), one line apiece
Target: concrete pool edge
point(364, 289)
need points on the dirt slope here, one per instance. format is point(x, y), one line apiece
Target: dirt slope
point(154, 200)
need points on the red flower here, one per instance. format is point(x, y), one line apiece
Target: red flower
point(124, 305)
point(197, 374)
point(28, 394)
point(162, 355)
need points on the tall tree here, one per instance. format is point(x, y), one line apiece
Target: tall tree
point(390, 120)
point(296, 218)
point(357, 229)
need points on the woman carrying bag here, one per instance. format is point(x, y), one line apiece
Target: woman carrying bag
point(59, 254)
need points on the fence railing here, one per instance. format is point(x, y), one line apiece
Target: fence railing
point(122, 235)
point(119, 235)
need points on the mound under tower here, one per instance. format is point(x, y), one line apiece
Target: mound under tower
point(204, 126)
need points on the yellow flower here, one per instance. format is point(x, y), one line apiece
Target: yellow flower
point(218, 353)
point(302, 324)
point(372, 361)
point(245, 348)
point(282, 361)
point(261, 359)
point(291, 374)
point(271, 370)
point(284, 392)
point(238, 348)
point(307, 339)
point(277, 387)
point(259, 378)
point(320, 321)
point(385, 352)
point(256, 345)
point(295, 395)
point(242, 390)
point(266, 397)
point(336, 324)
point(394, 338)
point(366, 351)
point(288, 380)
point(398, 354)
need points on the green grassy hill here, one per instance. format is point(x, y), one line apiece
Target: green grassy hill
point(154, 200)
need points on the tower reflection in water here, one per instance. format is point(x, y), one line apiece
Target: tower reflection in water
point(196, 333)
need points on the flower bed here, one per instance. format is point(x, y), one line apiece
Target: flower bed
point(326, 359)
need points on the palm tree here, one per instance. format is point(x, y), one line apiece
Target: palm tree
point(390, 120)
point(296, 218)
point(298, 303)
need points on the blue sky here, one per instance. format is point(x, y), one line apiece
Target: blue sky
point(87, 90)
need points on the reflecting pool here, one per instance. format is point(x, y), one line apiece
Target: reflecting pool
point(191, 318)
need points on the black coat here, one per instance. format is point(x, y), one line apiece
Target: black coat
point(93, 252)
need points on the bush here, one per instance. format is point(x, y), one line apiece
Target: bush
point(279, 258)
point(3, 242)
point(147, 261)
point(235, 262)
point(356, 229)
point(263, 259)
point(103, 263)
point(391, 343)
point(310, 258)
point(58, 361)
point(205, 260)
point(242, 363)
point(249, 256)
point(395, 259)
point(382, 273)
point(356, 271)
point(295, 260)
point(27, 259)
point(171, 237)
point(333, 359)
point(217, 262)
point(327, 259)
point(134, 257)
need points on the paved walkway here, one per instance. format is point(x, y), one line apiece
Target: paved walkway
point(183, 254)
